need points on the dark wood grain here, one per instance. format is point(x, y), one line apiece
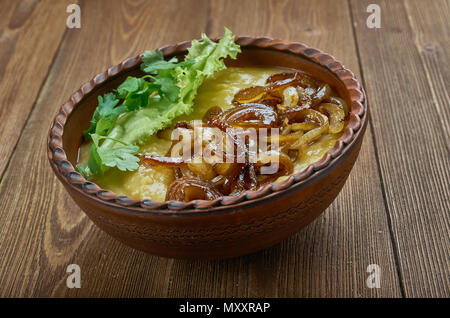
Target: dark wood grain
point(24, 61)
point(431, 31)
point(405, 82)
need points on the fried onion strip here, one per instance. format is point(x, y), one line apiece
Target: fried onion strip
point(336, 116)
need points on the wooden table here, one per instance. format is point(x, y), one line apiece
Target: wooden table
point(398, 217)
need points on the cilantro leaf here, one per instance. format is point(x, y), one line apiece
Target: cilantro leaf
point(135, 92)
point(120, 156)
point(106, 114)
point(95, 163)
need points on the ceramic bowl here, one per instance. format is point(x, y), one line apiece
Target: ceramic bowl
point(231, 225)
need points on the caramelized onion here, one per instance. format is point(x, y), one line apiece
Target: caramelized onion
point(277, 88)
point(322, 93)
point(231, 178)
point(246, 115)
point(245, 180)
point(285, 166)
point(280, 77)
point(340, 102)
point(307, 125)
point(336, 116)
point(188, 188)
point(302, 79)
point(312, 134)
point(210, 113)
point(288, 138)
point(302, 115)
point(307, 82)
point(202, 169)
point(249, 94)
point(292, 101)
point(295, 78)
point(271, 101)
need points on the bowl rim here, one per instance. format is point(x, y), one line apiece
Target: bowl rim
point(67, 174)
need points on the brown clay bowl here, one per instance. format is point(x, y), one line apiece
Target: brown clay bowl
point(228, 226)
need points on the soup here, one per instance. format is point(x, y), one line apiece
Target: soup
point(301, 117)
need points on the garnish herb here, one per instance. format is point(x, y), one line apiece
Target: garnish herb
point(139, 107)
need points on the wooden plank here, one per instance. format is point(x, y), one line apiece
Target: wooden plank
point(329, 258)
point(406, 84)
point(42, 230)
point(24, 61)
point(431, 29)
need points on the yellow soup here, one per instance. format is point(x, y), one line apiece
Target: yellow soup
point(219, 90)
